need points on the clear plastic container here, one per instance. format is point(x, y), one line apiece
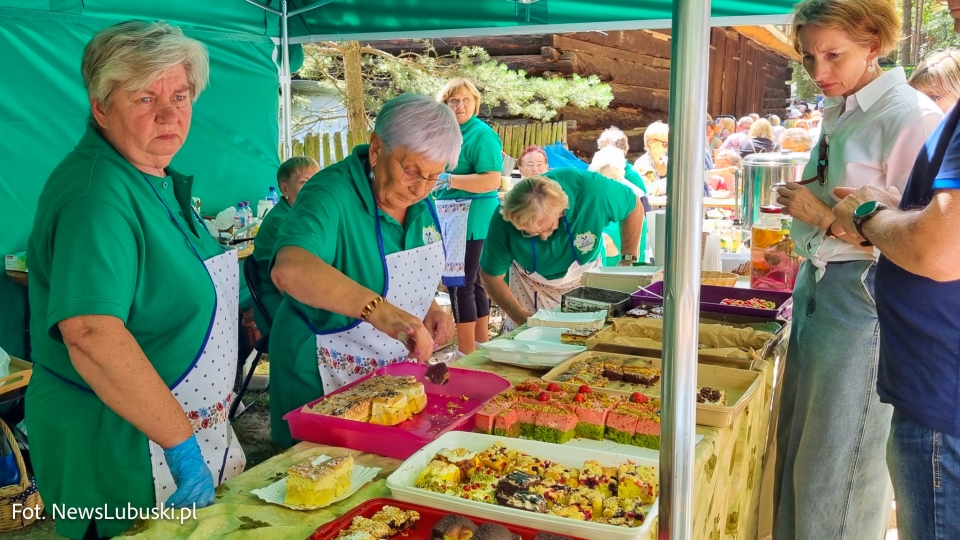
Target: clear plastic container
point(773, 261)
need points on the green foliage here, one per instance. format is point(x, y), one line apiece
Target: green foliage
point(386, 76)
point(938, 27)
point(807, 90)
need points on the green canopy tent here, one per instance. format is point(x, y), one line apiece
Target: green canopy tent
point(231, 149)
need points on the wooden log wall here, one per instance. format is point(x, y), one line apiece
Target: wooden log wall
point(744, 76)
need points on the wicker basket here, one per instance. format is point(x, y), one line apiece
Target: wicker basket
point(25, 493)
point(722, 279)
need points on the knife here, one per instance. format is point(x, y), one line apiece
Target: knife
point(437, 372)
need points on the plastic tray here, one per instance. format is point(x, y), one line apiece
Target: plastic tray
point(622, 278)
point(556, 319)
point(402, 482)
point(402, 440)
point(711, 296)
point(428, 518)
point(13, 385)
point(589, 299)
point(540, 334)
point(529, 353)
point(740, 386)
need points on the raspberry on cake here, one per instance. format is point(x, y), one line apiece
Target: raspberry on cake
point(596, 477)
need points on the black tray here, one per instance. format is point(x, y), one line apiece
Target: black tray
point(587, 299)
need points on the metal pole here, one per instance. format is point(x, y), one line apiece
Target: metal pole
point(285, 82)
point(688, 103)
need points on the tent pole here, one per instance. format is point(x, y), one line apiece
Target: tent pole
point(688, 103)
point(285, 82)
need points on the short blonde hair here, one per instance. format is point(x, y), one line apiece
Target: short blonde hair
point(774, 120)
point(796, 140)
point(532, 199)
point(761, 129)
point(938, 74)
point(866, 22)
point(133, 54)
point(613, 136)
point(657, 128)
point(455, 86)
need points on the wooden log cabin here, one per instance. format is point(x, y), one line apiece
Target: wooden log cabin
point(749, 72)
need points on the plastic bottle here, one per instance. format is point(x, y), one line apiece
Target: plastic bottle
point(272, 195)
point(239, 217)
point(248, 211)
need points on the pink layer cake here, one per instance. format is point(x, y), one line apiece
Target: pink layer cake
point(621, 424)
point(506, 423)
point(485, 416)
point(555, 425)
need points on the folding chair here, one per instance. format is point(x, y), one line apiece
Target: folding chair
point(252, 277)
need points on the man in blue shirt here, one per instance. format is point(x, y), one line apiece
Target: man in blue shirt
point(918, 304)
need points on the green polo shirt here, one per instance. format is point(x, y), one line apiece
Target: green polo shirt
point(335, 218)
point(595, 201)
point(481, 152)
point(103, 243)
point(264, 248)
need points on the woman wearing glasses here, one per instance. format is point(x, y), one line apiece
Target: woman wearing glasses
point(938, 76)
point(549, 232)
point(652, 165)
point(831, 473)
point(466, 201)
point(359, 259)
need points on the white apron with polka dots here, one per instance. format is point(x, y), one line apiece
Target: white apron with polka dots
point(206, 390)
point(454, 215)
point(534, 291)
point(347, 355)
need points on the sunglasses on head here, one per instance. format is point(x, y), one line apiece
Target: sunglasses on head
point(822, 161)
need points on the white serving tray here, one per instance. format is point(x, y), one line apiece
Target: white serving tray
point(403, 480)
point(541, 334)
point(557, 319)
point(530, 354)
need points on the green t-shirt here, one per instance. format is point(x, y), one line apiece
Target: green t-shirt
point(595, 201)
point(481, 152)
point(103, 243)
point(630, 175)
point(264, 248)
point(335, 219)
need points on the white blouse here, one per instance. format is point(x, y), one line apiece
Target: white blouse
point(874, 142)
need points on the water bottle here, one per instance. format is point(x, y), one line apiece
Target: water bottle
point(272, 195)
point(239, 217)
point(248, 211)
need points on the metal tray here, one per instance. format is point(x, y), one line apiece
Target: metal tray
point(587, 299)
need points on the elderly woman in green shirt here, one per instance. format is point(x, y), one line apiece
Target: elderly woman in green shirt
point(465, 207)
point(134, 304)
point(549, 232)
point(359, 261)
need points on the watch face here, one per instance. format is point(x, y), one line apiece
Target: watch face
point(865, 209)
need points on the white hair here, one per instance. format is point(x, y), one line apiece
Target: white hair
point(608, 156)
point(420, 125)
point(614, 136)
point(133, 54)
point(656, 129)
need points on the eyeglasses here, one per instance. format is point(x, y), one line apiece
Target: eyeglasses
point(823, 159)
point(525, 234)
point(658, 141)
point(936, 99)
point(410, 178)
point(454, 102)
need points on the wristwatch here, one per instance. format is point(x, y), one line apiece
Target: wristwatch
point(864, 212)
point(628, 257)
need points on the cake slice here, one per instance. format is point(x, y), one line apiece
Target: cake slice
point(344, 406)
point(647, 433)
point(439, 476)
point(389, 408)
point(577, 336)
point(525, 500)
point(398, 520)
point(496, 458)
point(587, 498)
point(612, 367)
point(484, 419)
point(310, 485)
point(621, 424)
point(637, 482)
point(594, 476)
point(554, 492)
point(415, 394)
point(507, 424)
point(554, 425)
point(376, 529)
point(527, 417)
point(642, 375)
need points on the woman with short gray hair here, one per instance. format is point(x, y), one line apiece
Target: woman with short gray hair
point(134, 303)
point(359, 260)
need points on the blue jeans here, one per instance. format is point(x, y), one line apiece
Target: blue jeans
point(925, 469)
point(831, 476)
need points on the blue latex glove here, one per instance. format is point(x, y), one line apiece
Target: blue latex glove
point(191, 474)
point(443, 181)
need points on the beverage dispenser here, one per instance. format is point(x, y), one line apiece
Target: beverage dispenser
point(760, 173)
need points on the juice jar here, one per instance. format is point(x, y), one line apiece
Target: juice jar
point(773, 261)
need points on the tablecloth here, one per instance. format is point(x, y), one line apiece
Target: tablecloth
point(728, 467)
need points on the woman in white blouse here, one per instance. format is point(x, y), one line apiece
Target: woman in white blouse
point(831, 474)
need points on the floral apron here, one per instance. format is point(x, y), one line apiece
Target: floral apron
point(454, 217)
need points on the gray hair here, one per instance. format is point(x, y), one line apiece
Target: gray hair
point(132, 54)
point(615, 137)
point(420, 125)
